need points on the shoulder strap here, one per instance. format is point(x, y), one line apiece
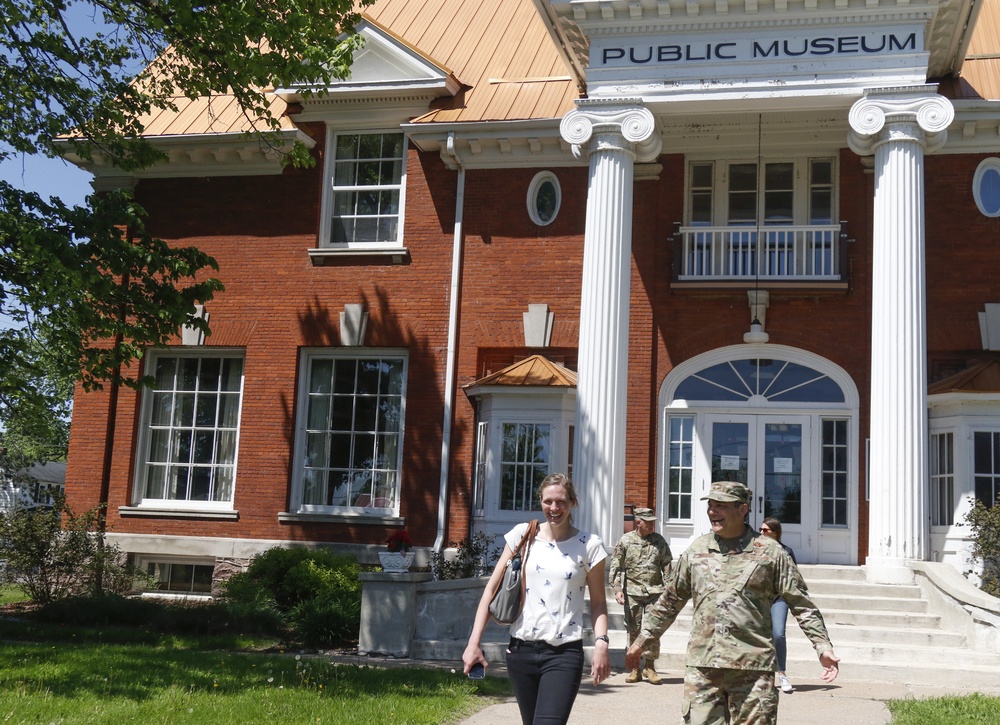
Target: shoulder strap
point(529, 536)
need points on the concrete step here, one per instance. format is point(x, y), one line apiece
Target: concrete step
point(882, 633)
point(838, 602)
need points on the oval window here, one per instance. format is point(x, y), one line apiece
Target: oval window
point(986, 187)
point(544, 198)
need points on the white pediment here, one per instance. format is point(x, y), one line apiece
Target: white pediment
point(383, 69)
point(694, 54)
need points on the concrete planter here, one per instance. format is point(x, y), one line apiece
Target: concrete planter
point(395, 561)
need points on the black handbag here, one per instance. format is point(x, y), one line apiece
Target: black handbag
point(508, 598)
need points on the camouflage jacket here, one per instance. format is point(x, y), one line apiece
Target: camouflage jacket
point(733, 584)
point(640, 565)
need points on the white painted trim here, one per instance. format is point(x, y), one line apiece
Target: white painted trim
point(166, 507)
point(298, 510)
point(985, 166)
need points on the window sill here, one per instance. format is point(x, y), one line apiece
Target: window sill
point(342, 256)
point(149, 511)
point(361, 519)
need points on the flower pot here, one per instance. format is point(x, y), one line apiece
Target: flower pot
point(395, 561)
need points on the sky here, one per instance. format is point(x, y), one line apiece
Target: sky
point(47, 177)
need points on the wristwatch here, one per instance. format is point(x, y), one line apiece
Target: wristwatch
point(603, 637)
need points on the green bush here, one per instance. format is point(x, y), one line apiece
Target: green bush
point(474, 557)
point(985, 523)
point(53, 554)
point(314, 592)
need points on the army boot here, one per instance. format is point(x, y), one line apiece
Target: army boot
point(633, 676)
point(650, 674)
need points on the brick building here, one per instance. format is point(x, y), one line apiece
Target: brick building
point(653, 243)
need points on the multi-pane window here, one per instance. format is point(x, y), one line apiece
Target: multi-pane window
point(193, 424)
point(792, 191)
point(367, 188)
point(680, 462)
point(353, 430)
point(942, 470)
point(187, 578)
point(986, 457)
point(834, 468)
point(524, 463)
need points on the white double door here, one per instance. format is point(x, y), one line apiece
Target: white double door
point(771, 454)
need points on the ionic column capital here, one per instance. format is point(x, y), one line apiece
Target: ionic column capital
point(900, 114)
point(597, 125)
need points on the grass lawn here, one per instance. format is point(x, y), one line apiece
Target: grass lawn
point(77, 675)
point(971, 710)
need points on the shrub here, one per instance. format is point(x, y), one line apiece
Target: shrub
point(52, 554)
point(985, 523)
point(314, 592)
point(474, 557)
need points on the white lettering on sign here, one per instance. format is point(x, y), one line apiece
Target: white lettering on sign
point(746, 49)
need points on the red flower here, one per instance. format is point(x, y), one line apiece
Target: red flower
point(399, 541)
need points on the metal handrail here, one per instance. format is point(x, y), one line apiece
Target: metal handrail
point(784, 251)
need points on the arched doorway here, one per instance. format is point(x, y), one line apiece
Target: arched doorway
point(781, 420)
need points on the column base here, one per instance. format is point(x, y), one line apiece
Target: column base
point(888, 571)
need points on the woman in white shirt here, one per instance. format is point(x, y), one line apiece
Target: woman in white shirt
point(545, 654)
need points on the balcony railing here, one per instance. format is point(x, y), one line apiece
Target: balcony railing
point(786, 252)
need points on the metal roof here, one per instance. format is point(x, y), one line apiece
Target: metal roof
point(511, 68)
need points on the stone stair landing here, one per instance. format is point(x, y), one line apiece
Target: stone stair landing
point(881, 632)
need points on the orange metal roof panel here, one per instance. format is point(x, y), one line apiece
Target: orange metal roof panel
point(983, 377)
point(536, 370)
point(477, 40)
point(980, 76)
point(986, 35)
point(480, 40)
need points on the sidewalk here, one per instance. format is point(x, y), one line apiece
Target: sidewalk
point(814, 701)
point(845, 701)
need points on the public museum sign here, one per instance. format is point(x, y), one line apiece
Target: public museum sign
point(819, 59)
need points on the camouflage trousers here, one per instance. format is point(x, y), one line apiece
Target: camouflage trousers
point(717, 696)
point(636, 609)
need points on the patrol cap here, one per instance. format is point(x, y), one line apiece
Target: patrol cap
point(644, 514)
point(728, 491)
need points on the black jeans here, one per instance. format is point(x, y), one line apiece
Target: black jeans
point(545, 679)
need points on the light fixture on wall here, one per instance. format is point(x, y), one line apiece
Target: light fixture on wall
point(756, 334)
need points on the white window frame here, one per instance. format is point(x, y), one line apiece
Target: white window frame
point(326, 218)
point(833, 544)
point(985, 166)
point(532, 201)
point(523, 466)
point(553, 406)
point(307, 355)
point(670, 496)
point(942, 478)
point(801, 212)
point(145, 436)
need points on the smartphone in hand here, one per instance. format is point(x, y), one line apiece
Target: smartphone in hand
point(477, 672)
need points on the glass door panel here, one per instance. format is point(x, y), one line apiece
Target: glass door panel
point(770, 455)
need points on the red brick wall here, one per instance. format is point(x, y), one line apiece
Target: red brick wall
point(276, 302)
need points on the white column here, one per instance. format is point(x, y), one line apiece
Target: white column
point(898, 126)
point(614, 135)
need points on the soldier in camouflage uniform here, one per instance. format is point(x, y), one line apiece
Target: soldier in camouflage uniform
point(733, 575)
point(639, 566)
